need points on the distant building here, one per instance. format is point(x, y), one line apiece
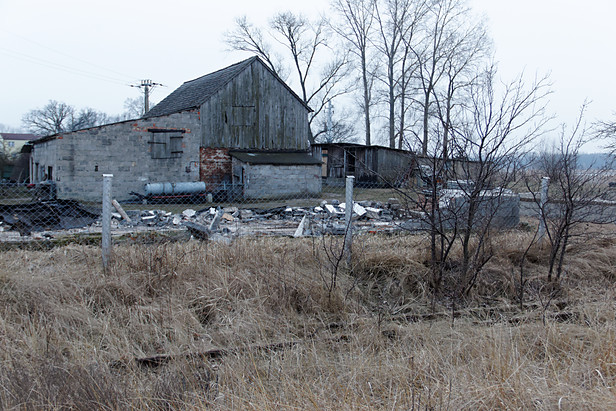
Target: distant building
point(235, 128)
point(11, 143)
point(16, 156)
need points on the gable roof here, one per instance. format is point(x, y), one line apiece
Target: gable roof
point(195, 92)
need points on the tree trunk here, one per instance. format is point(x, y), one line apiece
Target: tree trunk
point(426, 112)
point(392, 104)
point(366, 99)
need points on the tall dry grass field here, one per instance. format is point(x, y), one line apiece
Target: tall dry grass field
point(256, 325)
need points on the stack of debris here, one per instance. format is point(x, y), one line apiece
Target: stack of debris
point(326, 218)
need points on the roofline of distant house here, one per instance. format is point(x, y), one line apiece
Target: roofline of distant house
point(19, 136)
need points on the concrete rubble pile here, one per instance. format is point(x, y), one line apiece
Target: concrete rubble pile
point(500, 207)
point(326, 218)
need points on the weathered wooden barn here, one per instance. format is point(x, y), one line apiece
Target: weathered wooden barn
point(194, 134)
point(371, 165)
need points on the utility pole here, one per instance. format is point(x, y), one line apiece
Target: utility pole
point(146, 85)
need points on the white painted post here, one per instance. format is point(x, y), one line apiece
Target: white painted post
point(348, 214)
point(106, 221)
point(545, 181)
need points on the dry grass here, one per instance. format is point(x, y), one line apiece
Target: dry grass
point(69, 334)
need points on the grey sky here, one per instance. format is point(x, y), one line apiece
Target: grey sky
point(87, 53)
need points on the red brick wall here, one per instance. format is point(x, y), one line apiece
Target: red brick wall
point(215, 165)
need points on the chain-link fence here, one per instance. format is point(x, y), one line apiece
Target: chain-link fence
point(33, 214)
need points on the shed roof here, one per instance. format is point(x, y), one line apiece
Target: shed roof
point(277, 158)
point(195, 92)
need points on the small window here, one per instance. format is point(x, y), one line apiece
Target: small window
point(175, 145)
point(164, 145)
point(158, 145)
point(11, 144)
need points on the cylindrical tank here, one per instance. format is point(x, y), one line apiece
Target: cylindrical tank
point(187, 187)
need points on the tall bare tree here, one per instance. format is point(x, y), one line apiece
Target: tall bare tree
point(469, 47)
point(444, 17)
point(356, 29)
point(246, 37)
point(398, 21)
point(306, 45)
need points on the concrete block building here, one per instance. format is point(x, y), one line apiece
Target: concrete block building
point(240, 127)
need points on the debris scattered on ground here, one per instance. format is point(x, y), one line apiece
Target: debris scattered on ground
point(220, 224)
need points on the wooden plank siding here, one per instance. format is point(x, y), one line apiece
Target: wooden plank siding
point(255, 111)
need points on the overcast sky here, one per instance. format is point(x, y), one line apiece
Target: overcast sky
point(88, 53)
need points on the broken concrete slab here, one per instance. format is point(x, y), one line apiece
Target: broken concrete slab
point(216, 221)
point(188, 213)
point(359, 210)
point(198, 231)
point(373, 213)
point(301, 228)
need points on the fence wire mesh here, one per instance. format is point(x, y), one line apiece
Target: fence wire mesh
point(33, 215)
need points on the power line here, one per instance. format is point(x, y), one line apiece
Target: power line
point(43, 46)
point(61, 67)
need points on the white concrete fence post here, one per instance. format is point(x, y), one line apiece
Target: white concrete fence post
point(348, 214)
point(545, 181)
point(106, 220)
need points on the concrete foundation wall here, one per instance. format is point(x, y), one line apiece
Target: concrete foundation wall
point(493, 207)
point(79, 159)
point(267, 180)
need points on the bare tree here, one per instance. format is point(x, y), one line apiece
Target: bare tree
point(497, 128)
point(606, 130)
point(397, 24)
point(575, 192)
point(443, 19)
point(306, 44)
point(134, 108)
point(57, 117)
point(461, 66)
point(246, 37)
point(356, 30)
